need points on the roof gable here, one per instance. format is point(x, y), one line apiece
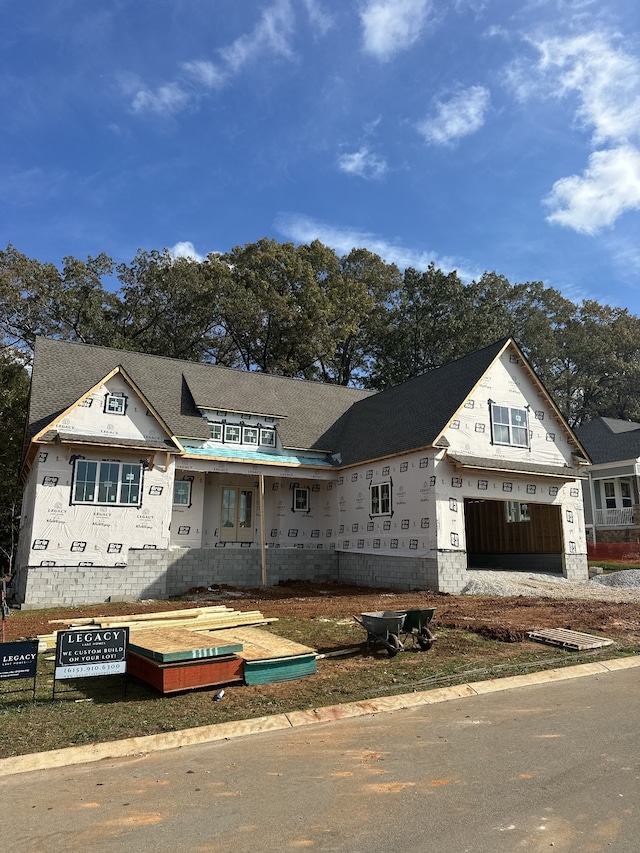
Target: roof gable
point(415, 413)
point(64, 372)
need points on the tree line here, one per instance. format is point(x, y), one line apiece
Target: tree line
point(304, 311)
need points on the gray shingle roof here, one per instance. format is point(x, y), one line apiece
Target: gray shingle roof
point(414, 413)
point(360, 425)
point(63, 372)
point(610, 440)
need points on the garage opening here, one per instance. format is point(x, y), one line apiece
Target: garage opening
point(513, 535)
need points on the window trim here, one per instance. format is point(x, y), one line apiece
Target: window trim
point(227, 429)
point(116, 395)
point(100, 483)
point(381, 501)
point(270, 431)
point(254, 429)
point(218, 427)
point(300, 491)
point(188, 482)
point(509, 425)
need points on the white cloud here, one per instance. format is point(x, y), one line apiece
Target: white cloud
point(204, 73)
point(606, 80)
point(271, 37)
point(167, 99)
point(318, 17)
point(390, 26)
point(601, 81)
point(362, 163)
point(304, 229)
point(185, 249)
point(609, 187)
point(460, 116)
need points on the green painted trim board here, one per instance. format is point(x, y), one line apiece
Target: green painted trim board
point(279, 669)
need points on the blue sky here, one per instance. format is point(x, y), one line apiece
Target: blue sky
point(478, 134)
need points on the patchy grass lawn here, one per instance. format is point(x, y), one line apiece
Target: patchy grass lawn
point(97, 709)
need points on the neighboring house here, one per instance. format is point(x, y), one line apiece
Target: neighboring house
point(146, 476)
point(612, 502)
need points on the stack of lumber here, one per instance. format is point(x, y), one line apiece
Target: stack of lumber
point(201, 647)
point(194, 619)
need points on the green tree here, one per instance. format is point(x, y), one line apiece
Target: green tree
point(275, 309)
point(38, 299)
point(14, 389)
point(172, 306)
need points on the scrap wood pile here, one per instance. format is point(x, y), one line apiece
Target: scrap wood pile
point(201, 647)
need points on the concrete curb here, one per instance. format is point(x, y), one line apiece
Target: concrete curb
point(141, 746)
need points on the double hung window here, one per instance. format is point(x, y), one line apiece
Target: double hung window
point(380, 499)
point(182, 493)
point(509, 426)
point(110, 483)
point(300, 500)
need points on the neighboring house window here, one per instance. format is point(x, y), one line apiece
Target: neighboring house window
point(613, 499)
point(215, 431)
point(610, 494)
point(182, 493)
point(268, 437)
point(509, 426)
point(517, 511)
point(107, 483)
point(250, 435)
point(115, 404)
point(300, 500)
point(380, 496)
point(232, 433)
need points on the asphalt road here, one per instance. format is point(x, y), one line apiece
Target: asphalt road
point(552, 767)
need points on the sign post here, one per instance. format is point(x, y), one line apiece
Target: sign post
point(88, 652)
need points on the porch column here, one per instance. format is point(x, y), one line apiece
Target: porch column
point(263, 546)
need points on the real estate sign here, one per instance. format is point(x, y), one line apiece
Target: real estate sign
point(84, 652)
point(18, 660)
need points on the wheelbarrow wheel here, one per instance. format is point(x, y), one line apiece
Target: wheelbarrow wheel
point(394, 645)
point(425, 639)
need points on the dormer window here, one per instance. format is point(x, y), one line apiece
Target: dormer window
point(268, 437)
point(232, 433)
point(115, 404)
point(215, 431)
point(249, 435)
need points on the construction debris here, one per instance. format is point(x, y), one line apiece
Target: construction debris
point(572, 640)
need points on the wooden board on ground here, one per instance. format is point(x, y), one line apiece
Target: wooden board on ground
point(268, 658)
point(178, 644)
point(573, 640)
point(260, 645)
point(186, 675)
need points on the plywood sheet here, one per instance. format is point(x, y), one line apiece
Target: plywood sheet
point(178, 644)
point(258, 644)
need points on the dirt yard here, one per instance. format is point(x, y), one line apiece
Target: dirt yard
point(504, 618)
